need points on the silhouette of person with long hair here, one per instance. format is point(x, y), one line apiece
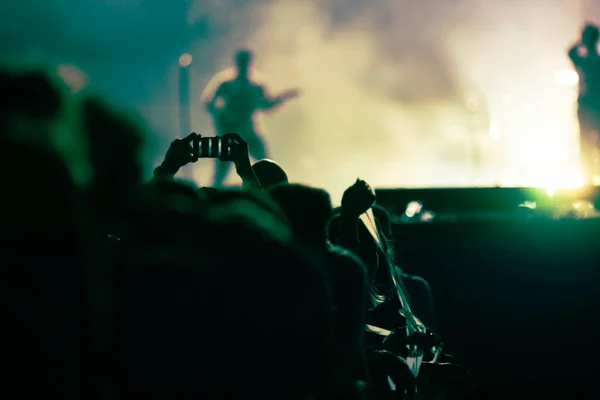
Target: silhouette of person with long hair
point(586, 60)
point(234, 105)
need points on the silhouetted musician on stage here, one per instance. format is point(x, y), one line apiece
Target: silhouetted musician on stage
point(233, 106)
point(586, 60)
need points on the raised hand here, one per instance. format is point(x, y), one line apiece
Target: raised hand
point(238, 146)
point(181, 152)
point(357, 199)
point(241, 159)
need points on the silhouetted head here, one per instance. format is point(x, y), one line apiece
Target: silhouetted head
point(178, 191)
point(37, 108)
point(590, 35)
point(30, 173)
point(264, 202)
point(269, 173)
point(243, 62)
point(115, 151)
point(31, 93)
point(307, 209)
point(369, 249)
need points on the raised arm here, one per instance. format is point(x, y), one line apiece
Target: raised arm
point(179, 154)
point(574, 55)
point(357, 199)
point(268, 102)
point(241, 160)
point(265, 100)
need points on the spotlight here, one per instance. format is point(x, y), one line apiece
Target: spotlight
point(185, 60)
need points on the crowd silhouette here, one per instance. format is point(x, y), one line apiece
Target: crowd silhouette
point(114, 287)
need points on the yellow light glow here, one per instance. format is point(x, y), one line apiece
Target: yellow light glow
point(413, 208)
point(584, 209)
point(562, 180)
point(383, 119)
point(427, 216)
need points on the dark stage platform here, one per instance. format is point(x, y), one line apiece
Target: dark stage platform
point(482, 200)
point(518, 299)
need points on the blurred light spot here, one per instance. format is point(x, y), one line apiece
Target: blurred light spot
point(562, 180)
point(219, 102)
point(566, 77)
point(529, 204)
point(73, 77)
point(413, 208)
point(583, 205)
point(427, 216)
point(391, 384)
point(584, 209)
point(185, 60)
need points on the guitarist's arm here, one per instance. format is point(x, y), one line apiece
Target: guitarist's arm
point(574, 55)
point(268, 102)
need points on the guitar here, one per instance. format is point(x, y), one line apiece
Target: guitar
point(287, 95)
point(228, 113)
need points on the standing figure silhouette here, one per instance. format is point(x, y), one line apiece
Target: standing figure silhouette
point(233, 106)
point(586, 60)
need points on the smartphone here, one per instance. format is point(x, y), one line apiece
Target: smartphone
point(213, 147)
